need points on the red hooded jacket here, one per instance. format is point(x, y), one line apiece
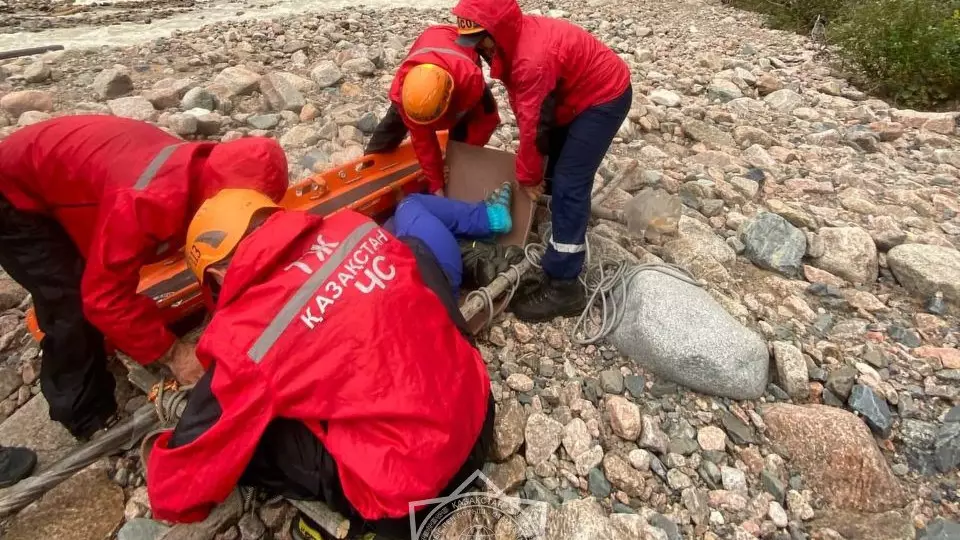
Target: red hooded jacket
point(125, 191)
point(553, 71)
point(329, 321)
point(437, 46)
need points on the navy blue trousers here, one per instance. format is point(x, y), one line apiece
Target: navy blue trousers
point(576, 151)
point(438, 222)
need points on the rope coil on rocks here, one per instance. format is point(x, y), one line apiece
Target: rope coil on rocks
point(605, 284)
point(601, 281)
point(533, 252)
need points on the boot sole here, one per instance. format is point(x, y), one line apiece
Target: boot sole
point(572, 312)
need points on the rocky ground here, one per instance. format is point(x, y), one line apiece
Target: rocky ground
point(821, 219)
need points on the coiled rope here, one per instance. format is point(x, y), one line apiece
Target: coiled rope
point(532, 252)
point(169, 399)
point(606, 284)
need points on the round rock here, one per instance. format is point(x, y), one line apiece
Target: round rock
point(712, 439)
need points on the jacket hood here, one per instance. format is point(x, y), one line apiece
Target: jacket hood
point(251, 163)
point(264, 250)
point(502, 18)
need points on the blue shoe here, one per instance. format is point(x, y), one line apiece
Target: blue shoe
point(498, 209)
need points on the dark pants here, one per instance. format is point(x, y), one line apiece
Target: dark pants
point(40, 256)
point(390, 132)
point(291, 461)
point(576, 151)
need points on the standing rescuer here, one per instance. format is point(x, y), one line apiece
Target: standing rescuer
point(338, 368)
point(439, 86)
point(570, 94)
point(85, 202)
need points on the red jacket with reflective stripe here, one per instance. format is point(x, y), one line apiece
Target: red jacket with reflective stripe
point(328, 321)
point(124, 191)
point(437, 46)
point(540, 57)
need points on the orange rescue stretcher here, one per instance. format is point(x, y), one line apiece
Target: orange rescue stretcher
point(371, 185)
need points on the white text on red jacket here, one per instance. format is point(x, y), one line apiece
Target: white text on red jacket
point(362, 267)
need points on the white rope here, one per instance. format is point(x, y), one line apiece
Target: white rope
point(606, 282)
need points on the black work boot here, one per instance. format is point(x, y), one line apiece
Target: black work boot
point(95, 431)
point(483, 261)
point(15, 464)
point(551, 298)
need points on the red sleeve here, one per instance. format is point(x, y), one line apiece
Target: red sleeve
point(427, 147)
point(532, 87)
point(120, 247)
point(186, 482)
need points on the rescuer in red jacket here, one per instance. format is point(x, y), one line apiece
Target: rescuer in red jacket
point(85, 202)
point(439, 86)
point(570, 94)
point(338, 368)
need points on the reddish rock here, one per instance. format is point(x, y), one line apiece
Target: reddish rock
point(17, 103)
point(929, 326)
point(837, 456)
point(727, 500)
point(816, 275)
point(752, 458)
point(816, 392)
point(950, 358)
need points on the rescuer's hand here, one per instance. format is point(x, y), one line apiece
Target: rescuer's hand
point(534, 192)
point(182, 361)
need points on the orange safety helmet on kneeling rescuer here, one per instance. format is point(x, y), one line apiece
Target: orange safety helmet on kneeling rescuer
point(219, 225)
point(426, 93)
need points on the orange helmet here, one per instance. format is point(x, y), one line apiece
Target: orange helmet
point(219, 225)
point(426, 93)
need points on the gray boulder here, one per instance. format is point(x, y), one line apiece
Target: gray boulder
point(198, 98)
point(142, 529)
point(112, 83)
point(326, 74)
point(926, 269)
point(849, 253)
point(237, 81)
point(281, 94)
point(678, 331)
point(941, 529)
point(784, 100)
point(771, 242)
